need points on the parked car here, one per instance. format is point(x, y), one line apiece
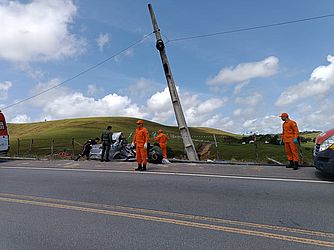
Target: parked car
point(324, 152)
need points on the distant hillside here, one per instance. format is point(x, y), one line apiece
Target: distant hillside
point(311, 134)
point(217, 132)
point(92, 127)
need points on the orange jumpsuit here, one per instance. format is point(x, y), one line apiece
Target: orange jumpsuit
point(162, 140)
point(290, 132)
point(141, 137)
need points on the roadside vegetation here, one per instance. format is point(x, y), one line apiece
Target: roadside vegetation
point(65, 138)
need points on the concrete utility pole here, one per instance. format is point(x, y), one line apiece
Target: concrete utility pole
point(181, 121)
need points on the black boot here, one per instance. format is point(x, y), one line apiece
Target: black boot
point(76, 159)
point(144, 167)
point(139, 168)
point(291, 165)
point(296, 165)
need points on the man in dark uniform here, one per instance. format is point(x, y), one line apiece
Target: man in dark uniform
point(106, 138)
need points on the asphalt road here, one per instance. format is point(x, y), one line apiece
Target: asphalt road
point(66, 205)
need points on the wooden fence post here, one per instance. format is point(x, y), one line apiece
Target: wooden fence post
point(18, 147)
point(73, 152)
point(52, 145)
point(256, 148)
point(30, 146)
point(216, 144)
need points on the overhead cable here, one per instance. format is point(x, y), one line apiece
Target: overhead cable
point(250, 28)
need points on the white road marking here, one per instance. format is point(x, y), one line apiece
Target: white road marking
point(175, 174)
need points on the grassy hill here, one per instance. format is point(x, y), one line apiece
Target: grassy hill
point(84, 128)
point(34, 139)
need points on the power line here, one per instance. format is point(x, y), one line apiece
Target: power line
point(250, 28)
point(81, 73)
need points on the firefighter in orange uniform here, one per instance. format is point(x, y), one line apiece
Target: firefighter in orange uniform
point(290, 139)
point(140, 139)
point(162, 140)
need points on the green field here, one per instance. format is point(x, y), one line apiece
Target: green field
point(39, 139)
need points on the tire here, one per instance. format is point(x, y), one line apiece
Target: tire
point(117, 155)
point(156, 159)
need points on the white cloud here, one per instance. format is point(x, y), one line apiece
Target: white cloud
point(78, 105)
point(211, 122)
point(4, 87)
point(247, 113)
point(270, 124)
point(92, 89)
point(249, 123)
point(237, 112)
point(103, 40)
point(160, 101)
point(197, 112)
point(38, 30)
point(210, 105)
point(246, 71)
point(320, 83)
point(141, 88)
point(314, 117)
point(252, 100)
point(30, 71)
point(264, 125)
point(239, 86)
point(21, 119)
point(226, 124)
point(62, 103)
point(160, 107)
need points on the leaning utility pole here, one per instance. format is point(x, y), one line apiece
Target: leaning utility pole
point(181, 121)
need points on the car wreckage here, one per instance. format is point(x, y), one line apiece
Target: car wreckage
point(121, 150)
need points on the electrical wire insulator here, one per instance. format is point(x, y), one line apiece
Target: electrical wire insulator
point(160, 45)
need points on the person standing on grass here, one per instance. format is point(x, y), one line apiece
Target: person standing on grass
point(106, 138)
point(162, 140)
point(140, 140)
point(290, 139)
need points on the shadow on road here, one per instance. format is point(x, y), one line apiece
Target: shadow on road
point(323, 176)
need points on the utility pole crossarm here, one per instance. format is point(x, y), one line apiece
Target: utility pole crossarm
point(181, 121)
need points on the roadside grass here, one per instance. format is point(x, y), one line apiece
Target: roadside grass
point(249, 153)
point(35, 139)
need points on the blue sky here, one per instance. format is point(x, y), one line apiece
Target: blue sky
point(238, 82)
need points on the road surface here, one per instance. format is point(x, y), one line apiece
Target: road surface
point(93, 205)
